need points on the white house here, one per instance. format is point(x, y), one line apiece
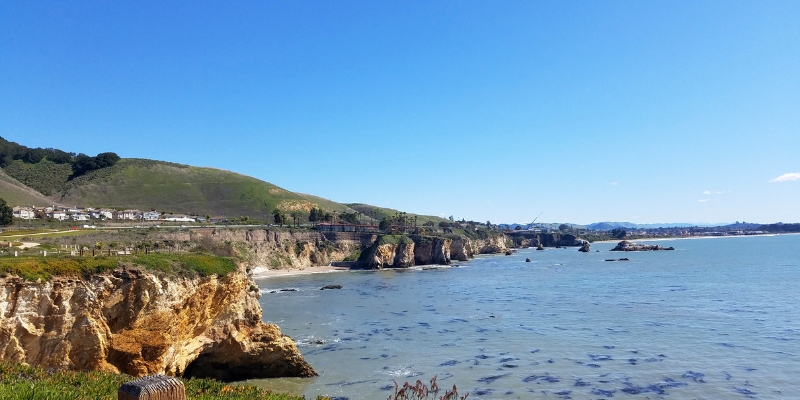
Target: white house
point(128, 214)
point(24, 212)
point(59, 215)
point(102, 213)
point(151, 215)
point(179, 218)
point(80, 217)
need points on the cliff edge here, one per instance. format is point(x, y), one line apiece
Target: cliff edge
point(139, 322)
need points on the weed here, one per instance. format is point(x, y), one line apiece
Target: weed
point(420, 391)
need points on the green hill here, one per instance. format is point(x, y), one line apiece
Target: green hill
point(177, 188)
point(380, 212)
point(17, 194)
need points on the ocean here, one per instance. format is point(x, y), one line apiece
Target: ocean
point(717, 318)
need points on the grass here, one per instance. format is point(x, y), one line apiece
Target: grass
point(33, 268)
point(381, 212)
point(394, 239)
point(45, 177)
point(169, 187)
point(18, 382)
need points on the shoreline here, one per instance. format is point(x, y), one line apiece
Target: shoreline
point(266, 273)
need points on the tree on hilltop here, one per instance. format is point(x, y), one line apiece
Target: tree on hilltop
point(619, 233)
point(6, 213)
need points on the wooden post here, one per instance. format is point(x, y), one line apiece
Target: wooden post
point(153, 387)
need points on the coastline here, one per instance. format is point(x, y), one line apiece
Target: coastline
point(266, 273)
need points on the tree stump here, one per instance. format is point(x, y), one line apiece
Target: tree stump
point(153, 387)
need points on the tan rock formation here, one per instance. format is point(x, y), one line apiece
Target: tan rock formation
point(141, 323)
point(278, 248)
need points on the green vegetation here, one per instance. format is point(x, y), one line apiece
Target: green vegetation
point(6, 213)
point(16, 193)
point(380, 213)
point(148, 184)
point(18, 382)
point(48, 170)
point(394, 239)
point(33, 268)
point(421, 391)
point(45, 176)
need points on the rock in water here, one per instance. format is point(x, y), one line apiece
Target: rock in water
point(630, 246)
point(540, 247)
point(527, 260)
point(331, 287)
point(584, 248)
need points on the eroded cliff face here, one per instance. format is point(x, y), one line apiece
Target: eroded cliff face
point(140, 323)
point(425, 250)
point(277, 249)
point(464, 249)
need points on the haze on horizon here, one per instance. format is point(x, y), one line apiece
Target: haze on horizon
point(587, 111)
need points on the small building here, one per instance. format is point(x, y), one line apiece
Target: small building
point(58, 215)
point(151, 215)
point(128, 214)
point(23, 213)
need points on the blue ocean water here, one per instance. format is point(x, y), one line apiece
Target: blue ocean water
point(717, 318)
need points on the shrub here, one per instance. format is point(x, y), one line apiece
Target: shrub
point(420, 391)
point(23, 382)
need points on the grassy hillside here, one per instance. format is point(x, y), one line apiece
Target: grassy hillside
point(169, 187)
point(328, 205)
point(380, 212)
point(46, 177)
point(17, 194)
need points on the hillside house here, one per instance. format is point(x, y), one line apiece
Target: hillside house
point(151, 215)
point(179, 218)
point(23, 212)
point(57, 215)
point(80, 216)
point(128, 215)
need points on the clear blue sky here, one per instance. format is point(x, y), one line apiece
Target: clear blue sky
point(641, 111)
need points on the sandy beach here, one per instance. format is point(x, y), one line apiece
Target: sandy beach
point(263, 273)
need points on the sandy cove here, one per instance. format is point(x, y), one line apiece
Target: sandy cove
point(263, 273)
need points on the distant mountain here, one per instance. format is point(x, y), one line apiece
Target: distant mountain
point(607, 226)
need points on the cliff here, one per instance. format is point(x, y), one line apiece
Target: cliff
point(406, 251)
point(139, 322)
point(527, 239)
point(265, 248)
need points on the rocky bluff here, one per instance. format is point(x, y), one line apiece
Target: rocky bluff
point(137, 322)
point(390, 251)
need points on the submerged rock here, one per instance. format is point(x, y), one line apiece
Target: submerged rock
point(331, 287)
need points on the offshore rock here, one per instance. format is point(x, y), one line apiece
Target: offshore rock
point(141, 323)
point(630, 246)
point(584, 248)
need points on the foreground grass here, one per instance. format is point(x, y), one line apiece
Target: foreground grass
point(18, 382)
point(33, 268)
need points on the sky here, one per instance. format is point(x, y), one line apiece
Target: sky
point(581, 111)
